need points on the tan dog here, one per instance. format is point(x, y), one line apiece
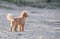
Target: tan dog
point(17, 23)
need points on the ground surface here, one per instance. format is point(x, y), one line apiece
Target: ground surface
point(41, 23)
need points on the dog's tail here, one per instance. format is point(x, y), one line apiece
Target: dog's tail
point(9, 17)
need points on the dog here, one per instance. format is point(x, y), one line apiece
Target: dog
point(17, 23)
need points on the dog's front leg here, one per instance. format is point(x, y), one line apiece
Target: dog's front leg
point(22, 27)
point(18, 28)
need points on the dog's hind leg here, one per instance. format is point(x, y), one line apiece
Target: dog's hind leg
point(11, 26)
point(15, 28)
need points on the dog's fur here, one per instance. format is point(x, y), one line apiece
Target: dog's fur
point(17, 23)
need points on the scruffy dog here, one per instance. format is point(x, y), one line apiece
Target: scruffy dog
point(17, 23)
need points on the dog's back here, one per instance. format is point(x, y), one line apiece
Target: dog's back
point(19, 21)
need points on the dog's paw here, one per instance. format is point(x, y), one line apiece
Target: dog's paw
point(9, 30)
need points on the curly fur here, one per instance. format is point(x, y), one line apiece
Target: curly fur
point(17, 24)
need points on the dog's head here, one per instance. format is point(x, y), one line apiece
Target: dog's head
point(24, 14)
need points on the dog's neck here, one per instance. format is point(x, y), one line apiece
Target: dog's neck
point(23, 17)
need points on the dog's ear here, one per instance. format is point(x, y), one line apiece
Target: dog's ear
point(25, 14)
